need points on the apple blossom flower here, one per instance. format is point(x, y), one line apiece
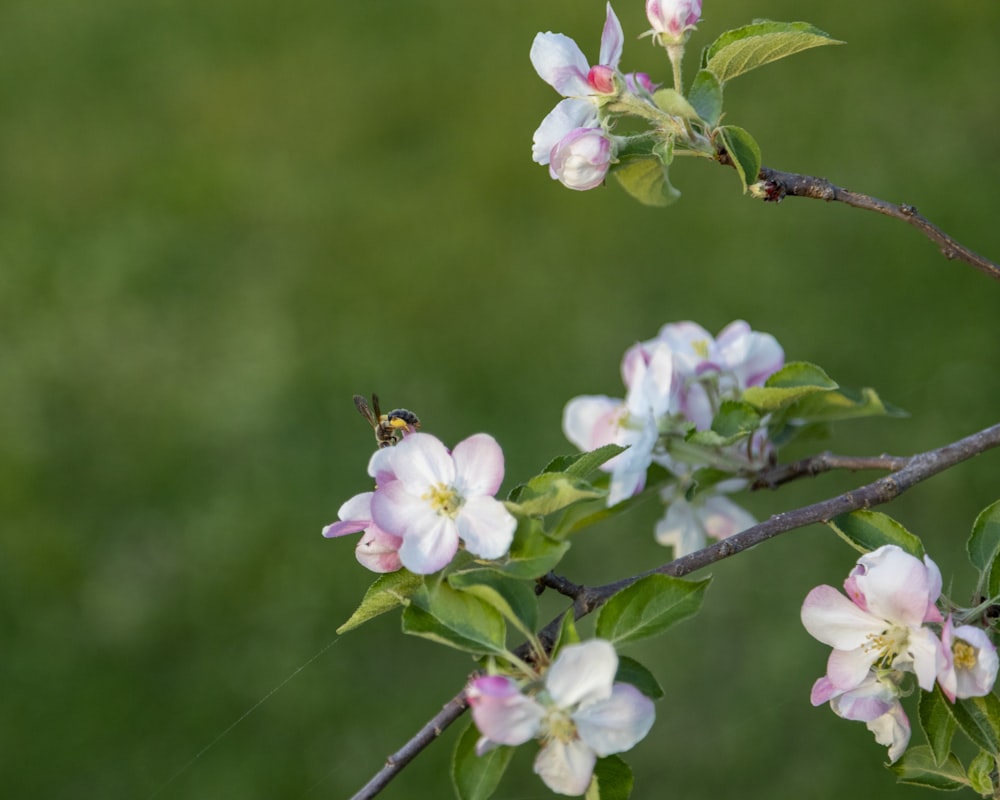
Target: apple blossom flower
point(580, 715)
point(560, 62)
point(712, 369)
point(672, 19)
point(875, 701)
point(590, 421)
point(580, 160)
point(432, 499)
point(688, 524)
point(970, 668)
point(892, 594)
point(377, 550)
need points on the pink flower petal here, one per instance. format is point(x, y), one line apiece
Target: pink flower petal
point(560, 62)
point(428, 548)
point(618, 723)
point(836, 621)
point(478, 465)
point(612, 40)
point(501, 713)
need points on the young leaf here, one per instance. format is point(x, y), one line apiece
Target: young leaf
point(582, 464)
point(533, 553)
point(937, 722)
point(551, 491)
point(743, 151)
point(632, 672)
point(984, 547)
point(648, 607)
point(792, 382)
point(457, 619)
point(979, 719)
point(842, 404)
point(917, 767)
point(980, 772)
point(646, 180)
point(513, 598)
point(869, 530)
point(706, 96)
point(674, 103)
point(762, 42)
point(612, 780)
point(387, 592)
point(476, 777)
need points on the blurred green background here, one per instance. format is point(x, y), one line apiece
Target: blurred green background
point(220, 220)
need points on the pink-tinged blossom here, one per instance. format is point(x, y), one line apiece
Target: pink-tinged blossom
point(711, 369)
point(672, 19)
point(970, 668)
point(688, 524)
point(892, 594)
point(581, 159)
point(591, 421)
point(560, 62)
point(875, 701)
point(433, 499)
point(377, 550)
point(580, 716)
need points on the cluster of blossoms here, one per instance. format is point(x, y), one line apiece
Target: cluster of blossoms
point(676, 382)
point(427, 501)
point(881, 631)
point(577, 711)
point(575, 139)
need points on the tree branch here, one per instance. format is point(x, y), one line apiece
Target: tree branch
point(914, 470)
point(777, 185)
point(780, 474)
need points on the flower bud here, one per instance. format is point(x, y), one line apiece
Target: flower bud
point(602, 80)
point(672, 19)
point(580, 160)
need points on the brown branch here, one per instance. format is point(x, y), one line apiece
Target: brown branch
point(916, 469)
point(776, 185)
point(779, 474)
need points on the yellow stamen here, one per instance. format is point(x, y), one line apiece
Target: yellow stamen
point(443, 499)
point(965, 655)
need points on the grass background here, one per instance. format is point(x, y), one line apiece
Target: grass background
point(220, 220)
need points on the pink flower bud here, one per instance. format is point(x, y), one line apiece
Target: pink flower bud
point(580, 160)
point(671, 19)
point(602, 80)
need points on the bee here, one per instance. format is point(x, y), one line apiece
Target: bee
point(390, 427)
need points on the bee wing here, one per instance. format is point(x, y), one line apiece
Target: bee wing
point(363, 408)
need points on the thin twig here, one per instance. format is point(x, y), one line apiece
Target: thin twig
point(917, 468)
point(776, 185)
point(780, 474)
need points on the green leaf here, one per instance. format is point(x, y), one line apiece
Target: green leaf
point(738, 51)
point(632, 672)
point(706, 96)
point(387, 592)
point(842, 404)
point(457, 619)
point(582, 464)
point(533, 553)
point(736, 419)
point(789, 384)
point(984, 548)
point(513, 598)
point(674, 103)
point(980, 771)
point(567, 633)
point(979, 719)
point(648, 607)
point(743, 151)
point(612, 780)
point(551, 491)
point(917, 767)
point(937, 722)
point(646, 180)
point(476, 777)
point(869, 530)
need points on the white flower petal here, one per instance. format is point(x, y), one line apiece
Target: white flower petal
point(612, 40)
point(426, 548)
point(566, 767)
point(591, 421)
point(679, 528)
point(582, 673)
point(896, 586)
point(893, 730)
point(478, 465)
point(486, 527)
point(926, 654)
point(618, 723)
point(836, 621)
point(847, 669)
point(559, 62)
point(568, 115)
point(501, 713)
point(421, 461)
point(721, 517)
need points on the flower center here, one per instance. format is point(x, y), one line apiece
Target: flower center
point(965, 655)
point(558, 725)
point(443, 499)
point(887, 644)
